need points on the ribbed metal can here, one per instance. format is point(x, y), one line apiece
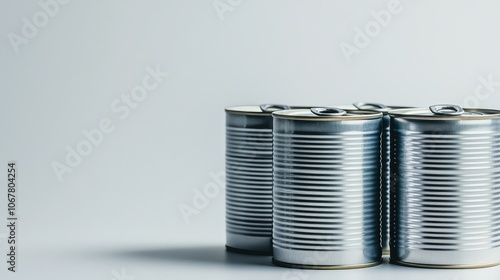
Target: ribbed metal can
point(249, 178)
point(445, 187)
point(386, 171)
point(326, 189)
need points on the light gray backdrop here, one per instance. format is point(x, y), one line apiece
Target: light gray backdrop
point(113, 213)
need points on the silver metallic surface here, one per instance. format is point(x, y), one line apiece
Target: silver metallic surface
point(385, 186)
point(328, 111)
point(249, 179)
point(445, 188)
point(326, 193)
point(363, 105)
point(386, 174)
point(446, 109)
point(273, 107)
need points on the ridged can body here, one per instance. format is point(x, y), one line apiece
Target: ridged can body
point(326, 193)
point(386, 170)
point(445, 188)
point(249, 180)
point(385, 186)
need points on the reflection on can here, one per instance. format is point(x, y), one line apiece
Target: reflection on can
point(249, 178)
point(445, 187)
point(386, 174)
point(326, 196)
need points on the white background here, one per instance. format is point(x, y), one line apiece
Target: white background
point(118, 209)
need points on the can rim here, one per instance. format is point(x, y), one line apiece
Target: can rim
point(307, 115)
point(326, 267)
point(258, 110)
point(436, 266)
point(341, 106)
point(426, 114)
point(250, 252)
point(352, 107)
point(385, 109)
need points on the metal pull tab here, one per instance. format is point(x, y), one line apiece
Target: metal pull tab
point(362, 105)
point(273, 107)
point(446, 109)
point(328, 111)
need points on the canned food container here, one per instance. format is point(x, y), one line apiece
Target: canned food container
point(249, 182)
point(326, 191)
point(386, 174)
point(445, 187)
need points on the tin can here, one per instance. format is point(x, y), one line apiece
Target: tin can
point(326, 190)
point(249, 179)
point(386, 173)
point(445, 187)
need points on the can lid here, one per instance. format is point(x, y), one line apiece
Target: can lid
point(326, 114)
point(263, 109)
point(343, 107)
point(378, 107)
point(446, 112)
